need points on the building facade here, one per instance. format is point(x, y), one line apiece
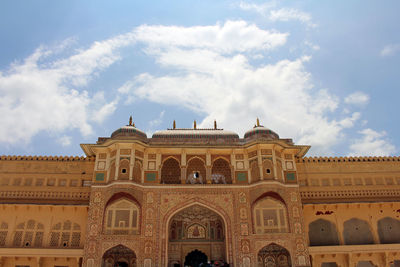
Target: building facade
point(188, 196)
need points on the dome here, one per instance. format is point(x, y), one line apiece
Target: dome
point(129, 132)
point(200, 136)
point(260, 132)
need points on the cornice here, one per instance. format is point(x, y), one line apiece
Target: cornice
point(45, 158)
point(346, 159)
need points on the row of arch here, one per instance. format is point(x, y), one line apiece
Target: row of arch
point(270, 255)
point(123, 213)
point(31, 234)
point(221, 171)
point(196, 171)
point(355, 232)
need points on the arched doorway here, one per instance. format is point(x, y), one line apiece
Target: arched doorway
point(195, 258)
point(196, 234)
point(274, 255)
point(119, 256)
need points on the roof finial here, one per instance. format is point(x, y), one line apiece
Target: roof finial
point(258, 122)
point(130, 121)
point(215, 124)
point(194, 125)
point(174, 125)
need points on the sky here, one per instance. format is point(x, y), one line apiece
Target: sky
point(324, 73)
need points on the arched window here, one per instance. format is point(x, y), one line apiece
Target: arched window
point(255, 171)
point(3, 233)
point(171, 172)
point(65, 235)
point(221, 172)
point(268, 169)
point(28, 234)
point(357, 232)
point(274, 255)
point(323, 233)
point(122, 218)
point(389, 230)
point(196, 171)
point(270, 216)
point(137, 172)
point(124, 166)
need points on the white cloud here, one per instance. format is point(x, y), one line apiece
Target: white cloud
point(40, 94)
point(158, 120)
point(65, 140)
point(390, 50)
point(287, 14)
point(232, 36)
point(311, 45)
point(372, 144)
point(259, 8)
point(357, 98)
point(228, 88)
point(281, 14)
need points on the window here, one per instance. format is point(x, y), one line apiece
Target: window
point(28, 234)
point(3, 233)
point(65, 235)
point(122, 217)
point(270, 216)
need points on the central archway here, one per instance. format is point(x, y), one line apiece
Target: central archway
point(197, 230)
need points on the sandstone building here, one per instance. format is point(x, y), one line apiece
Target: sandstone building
point(185, 196)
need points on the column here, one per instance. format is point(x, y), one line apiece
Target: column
point(132, 163)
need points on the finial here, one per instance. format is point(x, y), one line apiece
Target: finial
point(174, 125)
point(258, 122)
point(194, 125)
point(130, 121)
point(133, 124)
point(215, 124)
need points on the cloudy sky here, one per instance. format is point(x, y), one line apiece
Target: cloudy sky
point(325, 73)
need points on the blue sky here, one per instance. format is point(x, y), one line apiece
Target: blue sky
point(324, 73)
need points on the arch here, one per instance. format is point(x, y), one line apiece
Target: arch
point(196, 227)
point(124, 169)
point(270, 214)
point(65, 234)
point(28, 234)
point(137, 172)
point(189, 203)
point(323, 233)
point(255, 171)
point(365, 264)
point(194, 165)
point(221, 171)
point(268, 169)
point(170, 171)
point(195, 258)
point(121, 217)
point(274, 255)
point(389, 230)
point(357, 232)
point(119, 256)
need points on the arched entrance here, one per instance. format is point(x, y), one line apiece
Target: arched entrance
point(196, 234)
point(274, 255)
point(119, 256)
point(195, 258)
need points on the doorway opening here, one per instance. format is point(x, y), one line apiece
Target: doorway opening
point(196, 258)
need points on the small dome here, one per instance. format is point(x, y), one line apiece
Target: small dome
point(129, 132)
point(260, 132)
